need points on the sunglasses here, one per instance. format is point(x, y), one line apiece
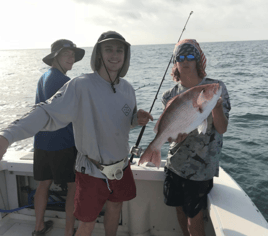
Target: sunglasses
point(181, 58)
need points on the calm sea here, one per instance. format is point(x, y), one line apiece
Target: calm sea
point(242, 66)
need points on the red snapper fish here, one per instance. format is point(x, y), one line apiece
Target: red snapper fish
point(183, 114)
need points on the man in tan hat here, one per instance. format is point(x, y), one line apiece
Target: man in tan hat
point(102, 108)
point(55, 152)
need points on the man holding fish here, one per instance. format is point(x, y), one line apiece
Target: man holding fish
point(102, 109)
point(195, 118)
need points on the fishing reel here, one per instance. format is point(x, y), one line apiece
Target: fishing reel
point(137, 151)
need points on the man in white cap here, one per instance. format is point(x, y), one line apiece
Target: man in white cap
point(102, 108)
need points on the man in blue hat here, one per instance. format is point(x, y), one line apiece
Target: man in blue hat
point(55, 152)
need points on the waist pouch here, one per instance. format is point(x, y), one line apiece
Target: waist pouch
point(113, 171)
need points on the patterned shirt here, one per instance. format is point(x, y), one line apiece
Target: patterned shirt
point(197, 157)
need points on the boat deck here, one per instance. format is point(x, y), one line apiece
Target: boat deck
point(18, 225)
point(12, 225)
point(15, 224)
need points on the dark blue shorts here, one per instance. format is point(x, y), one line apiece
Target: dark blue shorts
point(190, 195)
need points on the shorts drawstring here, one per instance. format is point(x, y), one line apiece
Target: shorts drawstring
point(108, 185)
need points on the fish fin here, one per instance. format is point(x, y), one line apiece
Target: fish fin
point(168, 104)
point(151, 154)
point(200, 98)
point(203, 127)
point(200, 101)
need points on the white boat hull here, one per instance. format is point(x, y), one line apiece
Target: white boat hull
point(230, 211)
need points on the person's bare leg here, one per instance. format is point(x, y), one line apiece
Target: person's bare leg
point(85, 228)
point(40, 203)
point(111, 218)
point(69, 209)
point(196, 225)
point(182, 218)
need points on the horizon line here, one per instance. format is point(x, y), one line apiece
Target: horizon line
point(13, 49)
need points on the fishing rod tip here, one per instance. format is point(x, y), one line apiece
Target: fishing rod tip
point(191, 12)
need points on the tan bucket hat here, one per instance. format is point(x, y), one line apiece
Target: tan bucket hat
point(107, 36)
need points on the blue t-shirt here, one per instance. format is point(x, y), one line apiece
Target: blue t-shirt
point(49, 83)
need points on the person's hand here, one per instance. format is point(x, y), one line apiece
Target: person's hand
point(144, 117)
point(179, 139)
point(218, 104)
point(3, 146)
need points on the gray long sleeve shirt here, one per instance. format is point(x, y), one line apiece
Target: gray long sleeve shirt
point(101, 120)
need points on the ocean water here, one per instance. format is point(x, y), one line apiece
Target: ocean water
point(242, 66)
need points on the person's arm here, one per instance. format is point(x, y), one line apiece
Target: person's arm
point(52, 115)
point(27, 126)
point(220, 113)
point(219, 119)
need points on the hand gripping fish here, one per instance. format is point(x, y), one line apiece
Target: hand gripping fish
point(183, 114)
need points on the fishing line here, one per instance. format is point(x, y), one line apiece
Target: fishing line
point(112, 82)
point(141, 87)
point(135, 150)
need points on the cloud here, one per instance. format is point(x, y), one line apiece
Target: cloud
point(139, 21)
point(129, 10)
point(144, 22)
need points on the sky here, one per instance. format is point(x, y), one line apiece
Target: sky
point(27, 24)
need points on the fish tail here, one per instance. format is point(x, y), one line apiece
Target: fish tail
point(151, 154)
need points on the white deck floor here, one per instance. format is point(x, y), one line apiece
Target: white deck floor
point(21, 225)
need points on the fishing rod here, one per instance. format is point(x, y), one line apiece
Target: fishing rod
point(141, 87)
point(135, 150)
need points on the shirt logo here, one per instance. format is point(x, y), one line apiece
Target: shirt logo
point(126, 110)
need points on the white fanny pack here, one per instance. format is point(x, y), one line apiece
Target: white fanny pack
point(114, 171)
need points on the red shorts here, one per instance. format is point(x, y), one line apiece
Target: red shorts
point(92, 193)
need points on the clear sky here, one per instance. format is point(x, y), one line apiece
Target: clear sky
point(38, 23)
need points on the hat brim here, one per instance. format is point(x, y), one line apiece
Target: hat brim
point(127, 59)
point(114, 39)
point(79, 54)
